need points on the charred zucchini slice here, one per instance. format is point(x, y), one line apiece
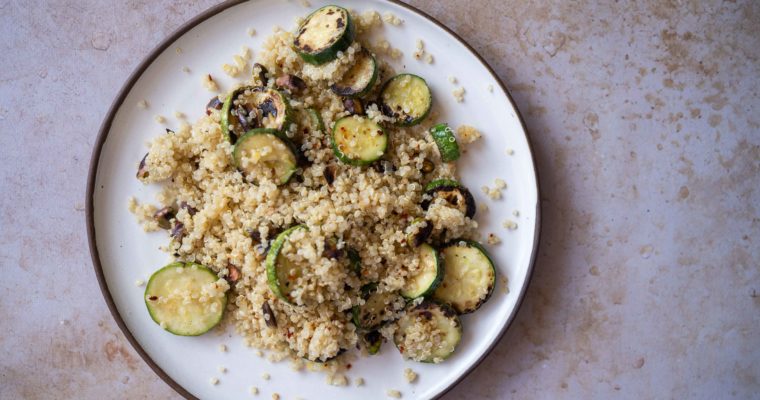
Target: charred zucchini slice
point(360, 78)
point(372, 341)
point(265, 153)
point(428, 277)
point(444, 138)
point(323, 34)
point(453, 192)
point(358, 140)
point(406, 98)
point(470, 276)
point(281, 273)
point(440, 321)
point(251, 107)
point(186, 299)
point(420, 231)
point(378, 307)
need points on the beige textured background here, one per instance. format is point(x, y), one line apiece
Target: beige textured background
point(645, 117)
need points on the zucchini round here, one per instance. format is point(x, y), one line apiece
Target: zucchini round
point(428, 277)
point(281, 273)
point(446, 142)
point(453, 192)
point(358, 140)
point(372, 341)
point(323, 34)
point(360, 78)
point(470, 276)
point(421, 230)
point(406, 98)
point(437, 319)
point(315, 120)
point(179, 300)
point(266, 153)
point(377, 308)
point(251, 107)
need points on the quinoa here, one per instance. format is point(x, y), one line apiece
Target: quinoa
point(229, 221)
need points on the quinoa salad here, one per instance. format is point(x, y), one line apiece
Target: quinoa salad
point(316, 206)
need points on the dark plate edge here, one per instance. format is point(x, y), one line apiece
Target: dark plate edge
point(124, 91)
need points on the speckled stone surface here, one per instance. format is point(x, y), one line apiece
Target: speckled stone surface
point(645, 118)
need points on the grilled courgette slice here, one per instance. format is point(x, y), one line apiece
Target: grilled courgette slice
point(428, 277)
point(444, 139)
point(251, 107)
point(358, 140)
point(360, 78)
point(282, 275)
point(470, 276)
point(440, 321)
point(406, 98)
point(323, 34)
point(453, 192)
point(266, 153)
point(378, 307)
point(186, 299)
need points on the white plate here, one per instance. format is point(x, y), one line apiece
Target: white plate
point(122, 253)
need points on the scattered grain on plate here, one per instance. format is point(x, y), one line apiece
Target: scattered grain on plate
point(420, 44)
point(254, 390)
point(275, 396)
point(223, 348)
point(410, 375)
point(259, 353)
point(230, 70)
point(516, 213)
point(453, 79)
point(159, 118)
point(493, 239)
point(139, 282)
point(179, 115)
point(509, 224)
point(393, 393)
point(305, 3)
point(214, 381)
point(265, 376)
point(245, 52)
point(223, 369)
point(499, 183)
point(494, 194)
point(208, 83)
point(178, 50)
point(240, 62)
point(392, 19)
point(186, 69)
point(483, 207)
point(467, 134)
point(458, 94)
point(359, 381)
point(336, 379)
point(490, 88)
point(396, 54)
point(143, 104)
point(429, 58)
point(251, 32)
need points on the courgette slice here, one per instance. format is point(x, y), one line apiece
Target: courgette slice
point(315, 121)
point(378, 307)
point(358, 140)
point(360, 78)
point(406, 98)
point(446, 141)
point(470, 276)
point(428, 277)
point(420, 232)
point(282, 274)
point(323, 34)
point(251, 107)
point(266, 153)
point(440, 321)
point(453, 192)
point(186, 299)
point(372, 341)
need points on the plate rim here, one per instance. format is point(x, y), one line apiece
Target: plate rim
point(118, 101)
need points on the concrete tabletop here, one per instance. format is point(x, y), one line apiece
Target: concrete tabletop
point(645, 118)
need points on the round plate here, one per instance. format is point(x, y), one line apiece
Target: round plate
point(122, 253)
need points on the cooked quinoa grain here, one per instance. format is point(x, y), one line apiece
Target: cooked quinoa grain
point(393, 393)
point(410, 375)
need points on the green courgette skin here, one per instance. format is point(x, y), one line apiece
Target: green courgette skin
point(353, 92)
point(372, 341)
point(445, 185)
point(439, 274)
point(237, 156)
point(446, 142)
point(227, 119)
point(271, 262)
point(407, 120)
point(431, 307)
point(316, 120)
point(331, 52)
